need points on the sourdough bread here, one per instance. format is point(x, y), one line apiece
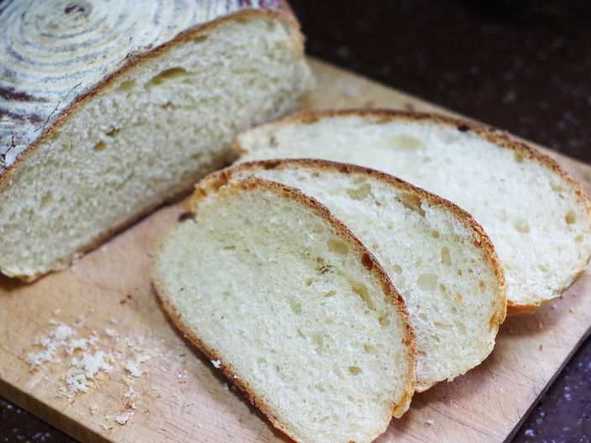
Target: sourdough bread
point(293, 309)
point(535, 214)
point(436, 255)
point(107, 109)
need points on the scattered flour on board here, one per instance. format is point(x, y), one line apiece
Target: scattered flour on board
point(90, 356)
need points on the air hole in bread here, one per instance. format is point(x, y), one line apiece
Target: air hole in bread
point(321, 266)
point(46, 199)
point(330, 293)
point(543, 268)
point(427, 282)
point(482, 286)
point(360, 192)
point(273, 141)
point(338, 246)
point(579, 238)
point(435, 234)
point(445, 256)
point(318, 341)
point(113, 132)
point(295, 306)
point(230, 248)
point(570, 218)
point(355, 370)
point(397, 269)
point(521, 226)
point(383, 320)
point(370, 349)
point(100, 146)
point(405, 141)
point(127, 85)
point(412, 202)
point(361, 290)
point(168, 105)
point(167, 74)
point(308, 282)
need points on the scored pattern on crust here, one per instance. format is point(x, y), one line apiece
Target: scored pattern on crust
point(57, 50)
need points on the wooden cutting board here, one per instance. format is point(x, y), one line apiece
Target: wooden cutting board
point(160, 390)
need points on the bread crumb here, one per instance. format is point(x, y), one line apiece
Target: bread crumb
point(133, 369)
point(429, 422)
point(85, 369)
point(123, 418)
point(50, 345)
point(93, 409)
point(133, 365)
point(216, 364)
point(80, 344)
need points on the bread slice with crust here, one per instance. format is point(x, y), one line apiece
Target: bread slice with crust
point(436, 255)
point(293, 309)
point(535, 214)
point(96, 132)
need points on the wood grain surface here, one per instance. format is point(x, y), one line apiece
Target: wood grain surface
point(173, 394)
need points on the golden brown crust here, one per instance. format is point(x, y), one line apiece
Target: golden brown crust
point(217, 181)
point(283, 15)
point(495, 136)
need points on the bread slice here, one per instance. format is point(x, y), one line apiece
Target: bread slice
point(537, 217)
point(95, 132)
point(436, 255)
point(293, 309)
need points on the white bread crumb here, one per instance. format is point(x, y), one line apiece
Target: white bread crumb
point(51, 344)
point(122, 418)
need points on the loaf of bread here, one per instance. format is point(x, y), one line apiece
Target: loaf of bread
point(436, 255)
point(107, 109)
point(537, 217)
point(292, 308)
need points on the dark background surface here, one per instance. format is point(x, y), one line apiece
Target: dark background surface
point(524, 66)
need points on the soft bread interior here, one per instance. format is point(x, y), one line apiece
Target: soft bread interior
point(538, 223)
point(265, 284)
point(149, 135)
point(439, 262)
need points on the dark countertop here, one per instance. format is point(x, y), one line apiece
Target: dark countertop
point(524, 68)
